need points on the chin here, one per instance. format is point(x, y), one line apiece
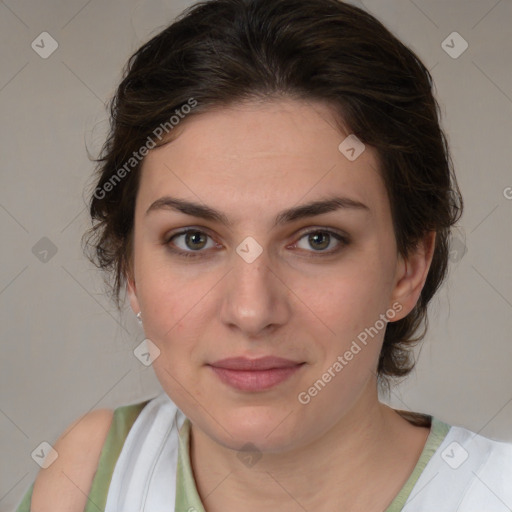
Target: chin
point(259, 426)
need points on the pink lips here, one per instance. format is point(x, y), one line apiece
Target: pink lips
point(254, 374)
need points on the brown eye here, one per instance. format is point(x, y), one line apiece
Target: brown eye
point(320, 240)
point(191, 241)
point(195, 239)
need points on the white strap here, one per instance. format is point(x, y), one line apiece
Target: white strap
point(467, 473)
point(144, 478)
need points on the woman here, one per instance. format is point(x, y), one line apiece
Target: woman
point(276, 195)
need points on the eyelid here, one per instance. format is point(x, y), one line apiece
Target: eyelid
point(327, 229)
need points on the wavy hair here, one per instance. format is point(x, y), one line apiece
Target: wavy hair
point(221, 52)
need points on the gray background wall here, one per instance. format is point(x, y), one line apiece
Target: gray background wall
point(65, 350)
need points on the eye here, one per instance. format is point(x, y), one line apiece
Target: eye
point(193, 241)
point(320, 239)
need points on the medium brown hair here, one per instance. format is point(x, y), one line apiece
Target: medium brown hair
point(221, 52)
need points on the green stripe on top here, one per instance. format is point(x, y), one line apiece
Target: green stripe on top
point(438, 432)
point(188, 500)
point(124, 418)
point(122, 422)
point(24, 506)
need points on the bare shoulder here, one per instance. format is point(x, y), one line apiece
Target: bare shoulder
point(66, 483)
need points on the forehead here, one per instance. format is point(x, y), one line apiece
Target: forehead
point(258, 156)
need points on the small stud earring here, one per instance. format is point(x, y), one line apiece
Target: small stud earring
point(139, 317)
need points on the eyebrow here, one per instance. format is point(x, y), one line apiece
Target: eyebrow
point(297, 212)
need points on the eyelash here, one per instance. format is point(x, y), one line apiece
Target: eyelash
point(344, 241)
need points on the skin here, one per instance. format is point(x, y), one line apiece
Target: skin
point(65, 485)
point(296, 301)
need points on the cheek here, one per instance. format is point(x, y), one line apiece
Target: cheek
point(350, 304)
point(169, 292)
point(351, 298)
point(348, 351)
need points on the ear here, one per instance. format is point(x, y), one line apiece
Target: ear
point(131, 291)
point(412, 273)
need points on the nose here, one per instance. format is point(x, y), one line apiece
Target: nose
point(255, 299)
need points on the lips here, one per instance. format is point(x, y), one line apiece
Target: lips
point(259, 374)
point(262, 363)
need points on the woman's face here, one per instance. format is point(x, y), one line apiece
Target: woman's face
point(256, 280)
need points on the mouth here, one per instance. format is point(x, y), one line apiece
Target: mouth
point(260, 374)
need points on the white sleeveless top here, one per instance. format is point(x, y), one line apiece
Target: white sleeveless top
point(144, 476)
point(467, 473)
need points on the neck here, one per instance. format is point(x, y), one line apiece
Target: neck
point(333, 472)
